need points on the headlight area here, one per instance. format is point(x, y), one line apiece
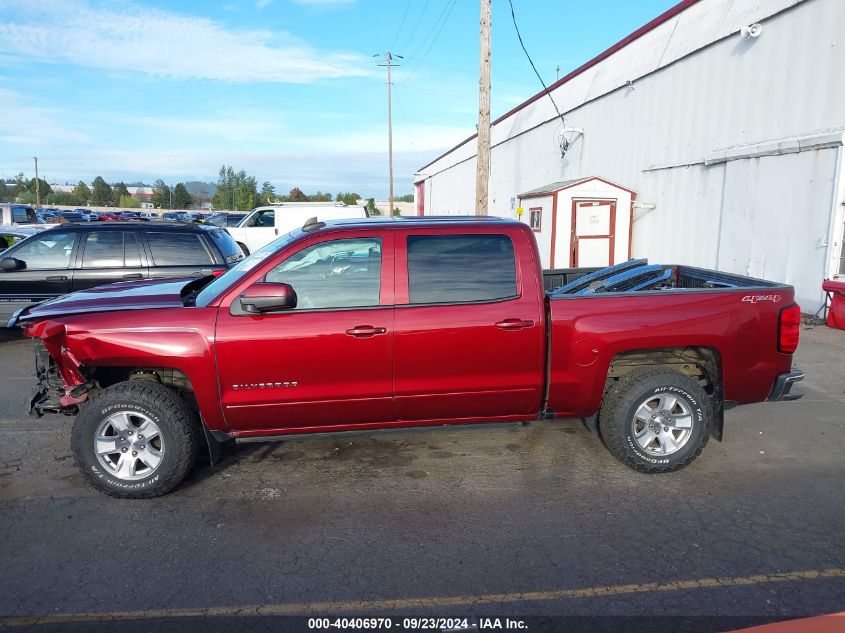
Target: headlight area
point(60, 385)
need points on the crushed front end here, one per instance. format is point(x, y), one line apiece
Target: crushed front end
point(60, 385)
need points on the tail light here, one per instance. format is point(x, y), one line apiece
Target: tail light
point(789, 329)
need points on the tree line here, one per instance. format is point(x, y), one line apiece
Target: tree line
point(236, 190)
point(98, 194)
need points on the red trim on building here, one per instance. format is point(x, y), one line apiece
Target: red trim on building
point(554, 231)
point(660, 19)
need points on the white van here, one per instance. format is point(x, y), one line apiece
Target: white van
point(265, 224)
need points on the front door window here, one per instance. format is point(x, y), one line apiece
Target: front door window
point(333, 275)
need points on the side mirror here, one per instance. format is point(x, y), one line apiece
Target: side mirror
point(265, 297)
point(10, 263)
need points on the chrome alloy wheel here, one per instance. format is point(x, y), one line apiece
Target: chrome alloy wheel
point(662, 424)
point(129, 445)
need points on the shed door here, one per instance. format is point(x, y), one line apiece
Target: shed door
point(593, 228)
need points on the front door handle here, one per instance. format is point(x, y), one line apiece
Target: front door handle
point(133, 276)
point(365, 331)
point(514, 324)
point(57, 278)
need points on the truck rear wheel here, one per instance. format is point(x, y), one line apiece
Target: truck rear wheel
point(655, 420)
point(136, 439)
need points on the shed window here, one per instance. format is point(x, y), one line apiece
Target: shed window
point(535, 218)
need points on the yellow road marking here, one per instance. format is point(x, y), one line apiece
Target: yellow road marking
point(434, 602)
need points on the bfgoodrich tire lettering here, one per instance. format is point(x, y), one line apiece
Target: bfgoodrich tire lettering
point(137, 401)
point(655, 420)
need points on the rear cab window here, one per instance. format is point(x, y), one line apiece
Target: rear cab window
point(460, 268)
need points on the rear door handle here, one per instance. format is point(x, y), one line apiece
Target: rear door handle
point(57, 278)
point(365, 331)
point(133, 276)
point(514, 324)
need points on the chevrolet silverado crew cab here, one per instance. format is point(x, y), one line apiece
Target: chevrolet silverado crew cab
point(358, 325)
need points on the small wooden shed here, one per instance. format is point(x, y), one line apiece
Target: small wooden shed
point(586, 222)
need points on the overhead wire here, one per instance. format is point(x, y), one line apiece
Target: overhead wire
point(442, 19)
point(401, 24)
point(530, 61)
point(416, 24)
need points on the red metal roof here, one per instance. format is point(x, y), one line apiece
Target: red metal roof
point(660, 19)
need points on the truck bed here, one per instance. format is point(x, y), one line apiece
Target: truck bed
point(600, 314)
point(638, 276)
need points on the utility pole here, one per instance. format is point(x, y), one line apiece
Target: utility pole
point(37, 184)
point(482, 173)
point(389, 59)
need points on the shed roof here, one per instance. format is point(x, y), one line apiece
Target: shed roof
point(553, 187)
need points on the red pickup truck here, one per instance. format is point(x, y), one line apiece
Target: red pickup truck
point(382, 324)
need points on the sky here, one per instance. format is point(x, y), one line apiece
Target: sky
point(288, 90)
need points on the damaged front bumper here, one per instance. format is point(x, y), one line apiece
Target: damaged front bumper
point(50, 394)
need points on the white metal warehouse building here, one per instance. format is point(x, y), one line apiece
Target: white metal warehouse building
point(696, 140)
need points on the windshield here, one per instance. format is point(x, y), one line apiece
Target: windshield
point(237, 272)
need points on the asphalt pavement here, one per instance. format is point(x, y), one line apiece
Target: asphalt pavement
point(534, 520)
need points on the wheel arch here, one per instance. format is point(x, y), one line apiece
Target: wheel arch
point(700, 363)
point(105, 376)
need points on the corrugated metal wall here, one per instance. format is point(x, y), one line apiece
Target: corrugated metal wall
point(653, 135)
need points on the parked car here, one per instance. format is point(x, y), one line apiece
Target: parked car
point(72, 257)
point(17, 214)
point(265, 224)
point(225, 218)
point(451, 323)
point(173, 216)
point(107, 216)
point(72, 216)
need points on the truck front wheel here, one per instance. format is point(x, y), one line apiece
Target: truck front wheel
point(655, 420)
point(136, 439)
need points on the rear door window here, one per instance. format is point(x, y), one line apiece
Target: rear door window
point(460, 268)
point(131, 250)
point(178, 249)
point(103, 249)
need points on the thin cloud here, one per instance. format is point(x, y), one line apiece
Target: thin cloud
point(27, 124)
point(260, 4)
point(124, 36)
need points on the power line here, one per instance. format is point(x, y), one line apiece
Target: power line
point(440, 21)
point(416, 24)
point(427, 50)
point(530, 61)
point(401, 23)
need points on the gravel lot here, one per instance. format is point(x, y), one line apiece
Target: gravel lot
point(536, 520)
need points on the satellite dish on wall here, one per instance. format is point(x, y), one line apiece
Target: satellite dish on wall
point(565, 136)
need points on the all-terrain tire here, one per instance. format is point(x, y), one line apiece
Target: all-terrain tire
point(178, 431)
point(618, 420)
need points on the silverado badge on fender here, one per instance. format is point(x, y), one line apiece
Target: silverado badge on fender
point(266, 385)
